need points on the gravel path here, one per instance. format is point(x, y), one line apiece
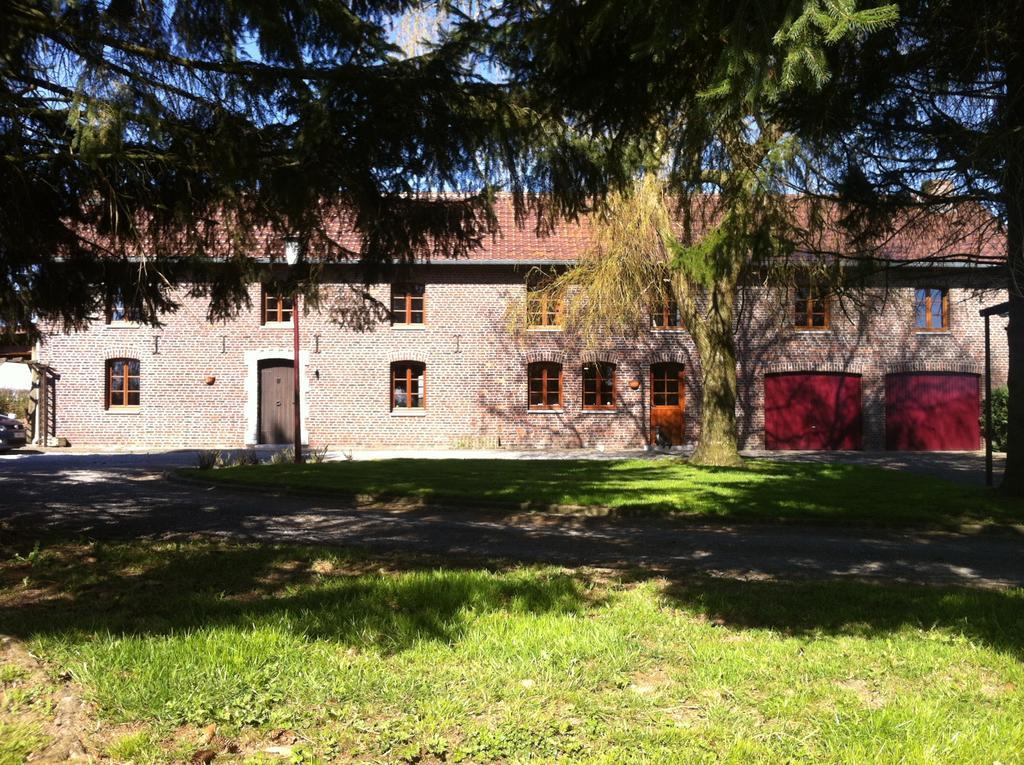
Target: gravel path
point(125, 496)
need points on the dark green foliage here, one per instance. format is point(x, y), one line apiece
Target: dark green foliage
point(15, 402)
point(138, 139)
point(924, 114)
point(1000, 414)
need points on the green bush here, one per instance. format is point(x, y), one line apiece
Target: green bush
point(1000, 399)
point(16, 401)
point(283, 456)
point(208, 459)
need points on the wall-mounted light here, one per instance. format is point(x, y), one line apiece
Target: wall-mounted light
point(316, 374)
point(156, 345)
point(223, 343)
point(292, 250)
point(316, 345)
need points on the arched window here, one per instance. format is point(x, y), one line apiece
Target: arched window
point(545, 386)
point(408, 385)
point(122, 383)
point(599, 386)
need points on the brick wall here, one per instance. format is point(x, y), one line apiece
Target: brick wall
point(476, 369)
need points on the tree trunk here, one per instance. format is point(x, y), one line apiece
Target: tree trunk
point(1013, 479)
point(716, 346)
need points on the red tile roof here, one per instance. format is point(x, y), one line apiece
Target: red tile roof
point(962, 233)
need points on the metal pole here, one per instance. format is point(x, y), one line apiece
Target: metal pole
point(295, 380)
point(44, 407)
point(988, 405)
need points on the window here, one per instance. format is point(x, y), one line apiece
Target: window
point(408, 385)
point(812, 310)
point(931, 309)
point(599, 386)
point(545, 386)
point(543, 309)
point(666, 315)
point(407, 303)
point(667, 385)
point(277, 308)
point(119, 313)
point(122, 383)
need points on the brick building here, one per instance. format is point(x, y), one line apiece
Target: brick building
point(431, 361)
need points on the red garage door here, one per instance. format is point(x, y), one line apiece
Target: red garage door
point(812, 411)
point(932, 412)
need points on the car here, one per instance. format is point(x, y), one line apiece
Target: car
point(12, 433)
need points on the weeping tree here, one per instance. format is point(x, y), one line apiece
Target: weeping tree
point(700, 131)
point(696, 249)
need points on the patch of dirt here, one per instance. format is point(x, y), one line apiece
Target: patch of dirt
point(993, 687)
point(650, 681)
point(65, 718)
point(685, 715)
point(867, 695)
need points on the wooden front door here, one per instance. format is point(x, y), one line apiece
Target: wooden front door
point(668, 401)
point(277, 402)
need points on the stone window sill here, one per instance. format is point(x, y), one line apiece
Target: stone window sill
point(409, 327)
point(125, 410)
point(812, 332)
point(276, 325)
point(601, 411)
point(670, 330)
point(545, 411)
point(418, 412)
point(932, 332)
point(122, 325)
point(543, 329)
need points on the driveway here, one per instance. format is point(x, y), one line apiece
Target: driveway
point(120, 496)
point(962, 467)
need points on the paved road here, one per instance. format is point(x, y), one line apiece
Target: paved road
point(125, 496)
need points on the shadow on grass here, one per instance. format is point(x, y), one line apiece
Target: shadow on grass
point(992, 617)
point(387, 603)
point(761, 491)
point(383, 602)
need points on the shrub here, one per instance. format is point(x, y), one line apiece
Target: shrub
point(283, 457)
point(1000, 400)
point(248, 457)
point(316, 456)
point(208, 459)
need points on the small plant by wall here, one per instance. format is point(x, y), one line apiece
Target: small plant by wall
point(1000, 399)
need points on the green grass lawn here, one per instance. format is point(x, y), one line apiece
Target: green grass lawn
point(364, 658)
point(760, 491)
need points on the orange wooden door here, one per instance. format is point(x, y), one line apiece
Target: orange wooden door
point(668, 402)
